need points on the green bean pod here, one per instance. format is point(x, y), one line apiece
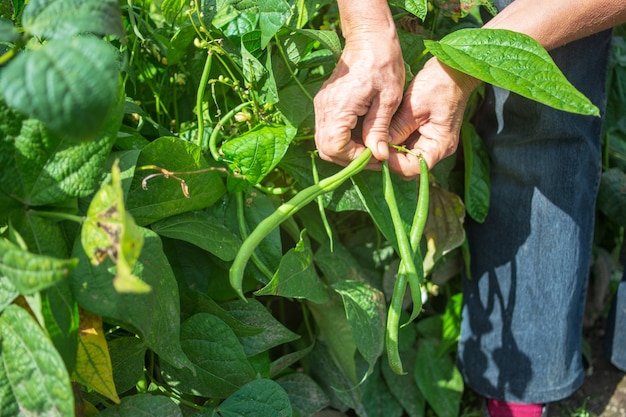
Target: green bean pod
point(285, 211)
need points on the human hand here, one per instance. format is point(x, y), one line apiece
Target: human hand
point(429, 119)
point(367, 82)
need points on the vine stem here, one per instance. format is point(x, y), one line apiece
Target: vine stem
point(58, 216)
point(204, 79)
point(243, 231)
point(213, 138)
point(285, 211)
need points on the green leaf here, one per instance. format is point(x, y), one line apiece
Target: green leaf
point(404, 387)
point(143, 405)
point(8, 33)
point(163, 197)
point(305, 395)
point(66, 18)
point(257, 152)
point(328, 38)
point(8, 404)
point(171, 9)
point(417, 7)
point(127, 360)
point(439, 379)
point(259, 398)
point(377, 398)
point(254, 314)
point(366, 312)
point(34, 369)
point(477, 181)
point(40, 168)
point(612, 196)
point(444, 227)
point(221, 366)
point(8, 292)
point(31, 273)
point(279, 365)
point(296, 277)
point(203, 230)
point(60, 313)
point(513, 61)
point(273, 15)
point(154, 315)
point(69, 84)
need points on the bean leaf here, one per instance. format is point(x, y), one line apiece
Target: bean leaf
point(69, 84)
point(259, 398)
point(477, 181)
point(144, 405)
point(513, 61)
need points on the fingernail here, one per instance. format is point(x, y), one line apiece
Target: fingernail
point(383, 149)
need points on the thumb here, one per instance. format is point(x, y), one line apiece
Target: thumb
point(376, 126)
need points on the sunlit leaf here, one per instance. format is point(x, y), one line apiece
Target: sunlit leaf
point(477, 181)
point(513, 61)
point(93, 363)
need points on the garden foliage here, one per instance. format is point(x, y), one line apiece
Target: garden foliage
point(142, 142)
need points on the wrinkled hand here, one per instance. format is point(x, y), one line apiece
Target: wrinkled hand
point(429, 119)
point(368, 83)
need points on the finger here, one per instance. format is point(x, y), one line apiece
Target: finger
point(376, 125)
point(403, 123)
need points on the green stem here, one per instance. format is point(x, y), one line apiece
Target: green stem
point(204, 79)
point(293, 74)
point(285, 211)
point(320, 205)
point(243, 231)
point(58, 216)
point(216, 130)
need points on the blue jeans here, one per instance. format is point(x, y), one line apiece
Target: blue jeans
point(524, 302)
point(615, 342)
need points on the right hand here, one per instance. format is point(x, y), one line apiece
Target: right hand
point(368, 82)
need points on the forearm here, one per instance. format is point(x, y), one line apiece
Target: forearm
point(365, 19)
point(556, 22)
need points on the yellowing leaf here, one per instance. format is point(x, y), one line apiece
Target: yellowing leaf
point(111, 232)
point(93, 363)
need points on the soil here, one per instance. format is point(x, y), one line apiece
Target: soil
point(603, 393)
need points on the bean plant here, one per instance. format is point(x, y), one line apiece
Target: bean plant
point(171, 244)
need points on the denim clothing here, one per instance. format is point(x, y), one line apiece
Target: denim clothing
point(523, 304)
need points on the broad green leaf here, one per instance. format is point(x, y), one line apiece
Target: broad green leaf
point(221, 366)
point(60, 314)
point(255, 72)
point(8, 292)
point(438, 379)
point(66, 18)
point(93, 363)
point(155, 316)
point(42, 235)
point(451, 324)
point(8, 33)
point(30, 273)
point(305, 395)
point(335, 332)
point(417, 7)
point(328, 38)
point(171, 9)
point(338, 265)
point(69, 84)
point(164, 197)
point(109, 231)
point(255, 153)
point(34, 369)
point(612, 195)
point(254, 314)
point(273, 14)
point(444, 227)
point(294, 104)
point(377, 397)
point(404, 387)
point(198, 302)
point(8, 404)
point(40, 168)
point(143, 405)
point(279, 365)
point(128, 357)
point(203, 230)
point(477, 181)
point(296, 277)
point(259, 398)
point(369, 186)
point(366, 312)
point(513, 61)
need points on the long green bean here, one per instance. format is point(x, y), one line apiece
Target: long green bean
point(285, 211)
